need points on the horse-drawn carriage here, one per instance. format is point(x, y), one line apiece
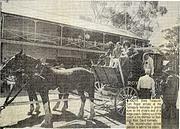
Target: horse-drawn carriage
point(111, 90)
point(115, 85)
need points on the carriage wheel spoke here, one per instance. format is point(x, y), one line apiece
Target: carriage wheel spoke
point(127, 92)
point(124, 92)
point(120, 103)
point(134, 97)
point(121, 110)
point(131, 93)
point(123, 98)
point(134, 94)
point(97, 85)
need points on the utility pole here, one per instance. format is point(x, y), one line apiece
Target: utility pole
point(178, 41)
point(0, 34)
point(125, 16)
point(0, 44)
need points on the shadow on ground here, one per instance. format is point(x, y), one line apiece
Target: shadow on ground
point(68, 117)
point(88, 124)
point(28, 122)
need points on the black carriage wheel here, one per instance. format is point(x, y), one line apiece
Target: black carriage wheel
point(120, 100)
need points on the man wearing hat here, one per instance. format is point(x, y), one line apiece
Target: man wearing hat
point(146, 85)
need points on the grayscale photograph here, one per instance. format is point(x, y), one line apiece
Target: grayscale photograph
point(78, 63)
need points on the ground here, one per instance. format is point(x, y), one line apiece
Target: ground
point(16, 116)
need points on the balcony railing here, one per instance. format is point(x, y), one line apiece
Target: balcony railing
point(18, 35)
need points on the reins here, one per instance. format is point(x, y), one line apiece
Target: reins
point(7, 101)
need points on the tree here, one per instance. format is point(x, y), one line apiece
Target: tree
point(139, 20)
point(172, 36)
point(143, 19)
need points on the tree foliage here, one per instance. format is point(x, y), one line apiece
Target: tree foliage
point(137, 17)
point(172, 36)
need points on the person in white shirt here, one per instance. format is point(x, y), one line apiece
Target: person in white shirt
point(146, 85)
point(148, 63)
point(116, 55)
point(126, 45)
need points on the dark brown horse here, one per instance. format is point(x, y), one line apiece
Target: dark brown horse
point(42, 78)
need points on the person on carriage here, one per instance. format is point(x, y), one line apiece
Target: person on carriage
point(148, 63)
point(131, 52)
point(170, 93)
point(106, 58)
point(146, 86)
point(117, 52)
point(125, 48)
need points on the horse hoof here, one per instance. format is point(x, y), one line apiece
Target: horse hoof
point(37, 112)
point(64, 109)
point(80, 116)
point(30, 113)
point(54, 109)
point(91, 117)
point(47, 125)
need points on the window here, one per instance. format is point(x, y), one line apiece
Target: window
point(48, 29)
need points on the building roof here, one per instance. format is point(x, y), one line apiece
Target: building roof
point(67, 21)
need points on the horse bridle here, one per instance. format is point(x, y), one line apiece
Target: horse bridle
point(7, 101)
point(41, 70)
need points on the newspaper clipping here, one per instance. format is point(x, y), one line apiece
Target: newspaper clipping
point(89, 64)
point(143, 114)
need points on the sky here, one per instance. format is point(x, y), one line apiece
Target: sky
point(73, 9)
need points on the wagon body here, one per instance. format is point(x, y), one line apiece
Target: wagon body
point(111, 90)
point(118, 85)
point(107, 75)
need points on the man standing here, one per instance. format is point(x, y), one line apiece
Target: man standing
point(148, 63)
point(146, 85)
point(170, 93)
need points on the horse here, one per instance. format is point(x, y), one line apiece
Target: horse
point(19, 80)
point(43, 78)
